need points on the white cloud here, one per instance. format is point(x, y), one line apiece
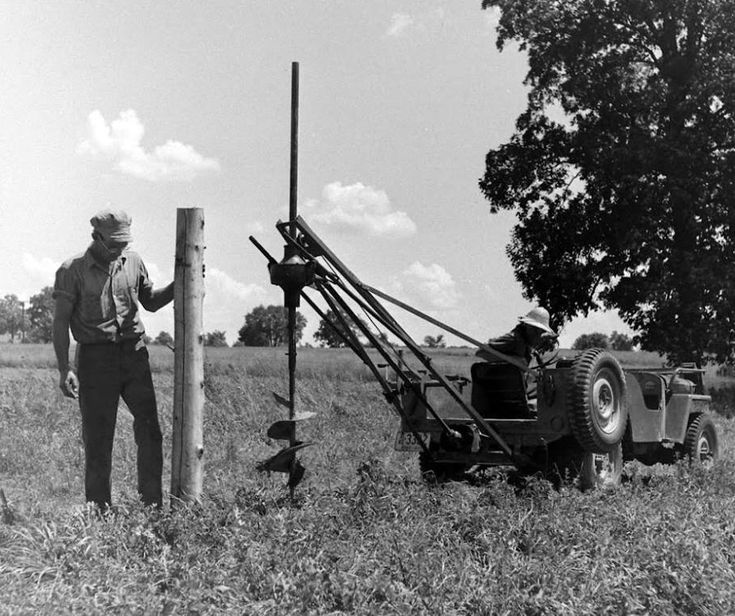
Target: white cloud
point(40, 271)
point(399, 24)
point(26, 274)
point(492, 17)
point(226, 302)
point(222, 287)
point(254, 228)
point(120, 143)
point(429, 285)
point(359, 209)
point(402, 24)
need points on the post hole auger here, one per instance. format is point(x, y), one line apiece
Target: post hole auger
point(345, 296)
point(291, 274)
point(308, 263)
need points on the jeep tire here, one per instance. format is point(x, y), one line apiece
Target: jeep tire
point(601, 470)
point(596, 404)
point(439, 472)
point(700, 442)
point(569, 463)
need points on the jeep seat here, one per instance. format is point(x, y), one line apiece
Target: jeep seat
point(499, 391)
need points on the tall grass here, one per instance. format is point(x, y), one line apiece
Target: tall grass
point(258, 361)
point(365, 534)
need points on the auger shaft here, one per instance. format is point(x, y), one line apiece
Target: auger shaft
point(292, 214)
point(292, 367)
point(292, 274)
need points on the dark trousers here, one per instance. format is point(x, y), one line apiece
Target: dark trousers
point(106, 372)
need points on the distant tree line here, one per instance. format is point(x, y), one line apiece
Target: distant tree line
point(264, 326)
point(33, 322)
point(616, 341)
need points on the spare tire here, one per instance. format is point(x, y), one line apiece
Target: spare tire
point(596, 404)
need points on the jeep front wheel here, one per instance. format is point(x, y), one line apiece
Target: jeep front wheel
point(596, 401)
point(700, 443)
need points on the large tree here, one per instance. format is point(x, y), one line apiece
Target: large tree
point(268, 326)
point(327, 335)
point(622, 167)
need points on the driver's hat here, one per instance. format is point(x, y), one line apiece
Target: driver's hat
point(538, 317)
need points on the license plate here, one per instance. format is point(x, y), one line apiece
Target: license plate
point(406, 441)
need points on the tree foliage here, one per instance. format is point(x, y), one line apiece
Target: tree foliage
point(620, 342)
point(435, 342)
point(595, 340)
point(164, 339)
point(268, 326)
point(40, 316)
point(327, 335)
point(622, 167)
point(11, 316)
point(215, 339)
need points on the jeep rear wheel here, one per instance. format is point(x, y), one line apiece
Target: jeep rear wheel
point(567, 463)
point(431, 470)
point(701, 443)
point(601, 470)
point(596, 401)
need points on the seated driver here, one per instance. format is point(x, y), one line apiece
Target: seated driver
point(532, 336)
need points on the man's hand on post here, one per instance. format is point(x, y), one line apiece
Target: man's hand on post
point(69, 384)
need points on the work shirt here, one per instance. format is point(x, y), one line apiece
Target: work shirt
point(512, 343)
point(105, 296)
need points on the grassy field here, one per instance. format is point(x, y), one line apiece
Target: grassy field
point(365, 535)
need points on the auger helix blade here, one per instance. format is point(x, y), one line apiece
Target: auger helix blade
point(296, 474)
point(282, 461)
point(285, 428)
point(281, 430)
point(281, 400)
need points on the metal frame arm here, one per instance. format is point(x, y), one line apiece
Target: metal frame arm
point(311, 243)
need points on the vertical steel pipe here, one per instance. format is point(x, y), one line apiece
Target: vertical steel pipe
point(294, 176)
point(292, 214)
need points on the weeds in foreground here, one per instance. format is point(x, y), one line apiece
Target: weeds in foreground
point(388, 544)
point(365, 535)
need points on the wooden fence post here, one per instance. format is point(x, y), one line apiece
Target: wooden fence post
point(187, 456)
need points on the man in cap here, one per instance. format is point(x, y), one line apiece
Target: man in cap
point(532, 335)
point(97, 295)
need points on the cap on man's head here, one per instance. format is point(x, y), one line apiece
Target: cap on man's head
point(113, 225)
point(538, 317)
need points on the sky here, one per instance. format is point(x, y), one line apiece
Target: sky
point(151, 107)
